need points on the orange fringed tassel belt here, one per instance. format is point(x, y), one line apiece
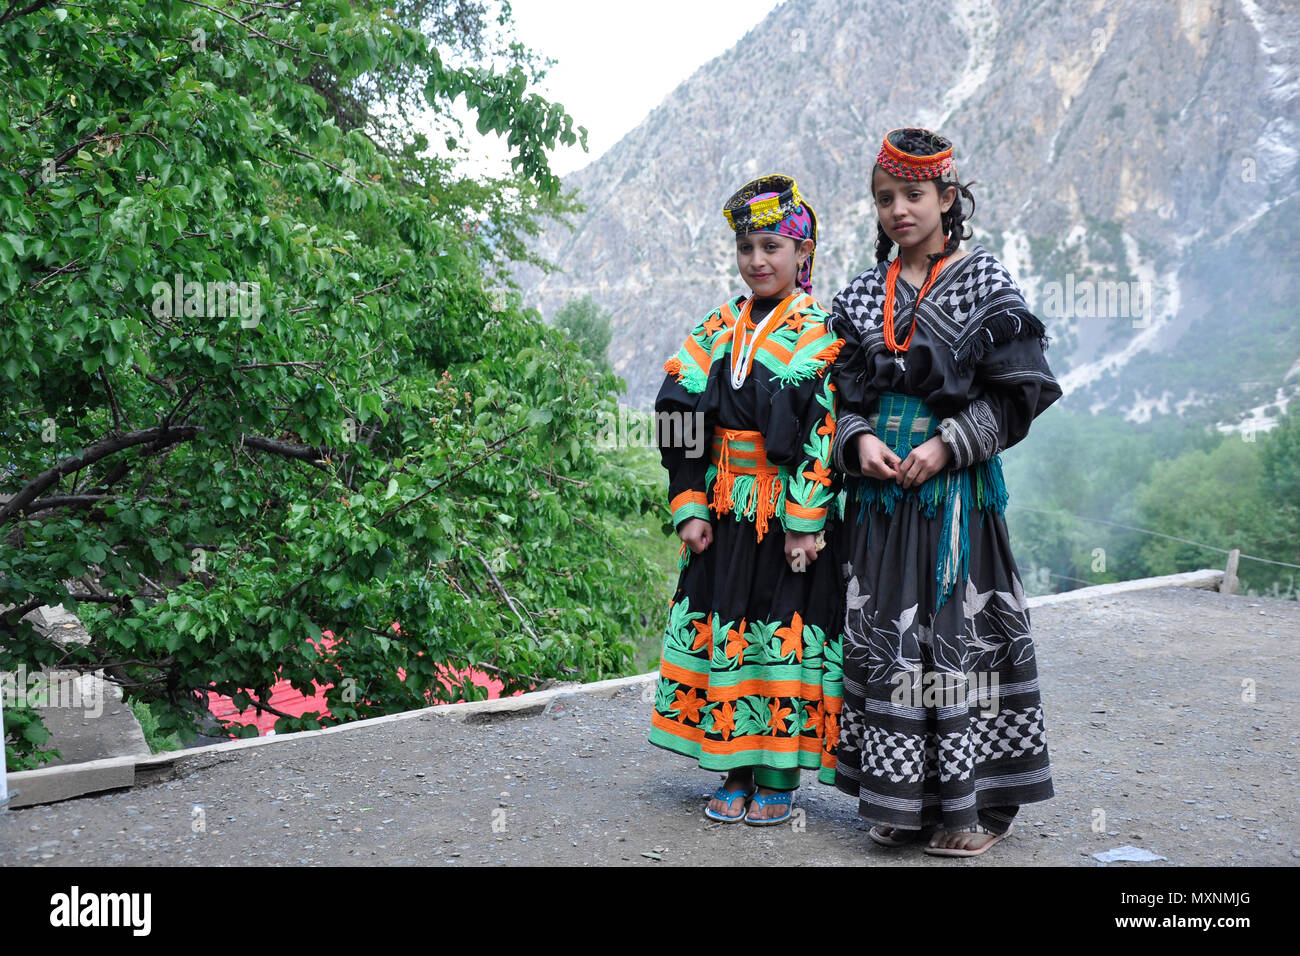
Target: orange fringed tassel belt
point(747, 484)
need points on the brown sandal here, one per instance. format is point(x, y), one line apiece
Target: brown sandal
point(894, 839)
point(973, 828)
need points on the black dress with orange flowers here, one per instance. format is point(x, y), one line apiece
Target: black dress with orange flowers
point(750, 669)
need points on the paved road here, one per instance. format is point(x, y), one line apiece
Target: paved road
point(1146, 722)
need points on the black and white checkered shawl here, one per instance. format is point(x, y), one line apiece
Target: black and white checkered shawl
point(971, 310)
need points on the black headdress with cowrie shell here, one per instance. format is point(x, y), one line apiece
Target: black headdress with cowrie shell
point(773, 204)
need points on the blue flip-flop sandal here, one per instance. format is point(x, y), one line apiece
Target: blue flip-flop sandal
point(727, 796)
point(784, 797)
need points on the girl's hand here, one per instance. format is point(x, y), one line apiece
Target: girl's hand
point(876, 459)
point(927, 459)
point(697, 533)
point(800, 550)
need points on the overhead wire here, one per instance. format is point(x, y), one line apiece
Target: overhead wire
point(1157, 534)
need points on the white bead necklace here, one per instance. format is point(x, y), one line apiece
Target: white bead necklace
point(744, 345)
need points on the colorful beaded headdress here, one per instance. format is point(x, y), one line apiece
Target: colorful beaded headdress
point(934, 163)
point(773, 204)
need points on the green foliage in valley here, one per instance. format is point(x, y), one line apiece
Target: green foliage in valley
point(589, 326)
point(1082, 486)
point(258, 375)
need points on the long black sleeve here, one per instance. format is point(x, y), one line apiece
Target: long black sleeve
point(856, 397)
point(1015, 386)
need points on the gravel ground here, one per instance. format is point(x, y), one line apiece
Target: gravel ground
point(1152, 745)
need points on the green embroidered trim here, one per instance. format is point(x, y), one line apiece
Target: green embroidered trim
point(691, 510)
point(736, 656)
point(692, 376)
point(803, 525)
point(806, 491)
point(752, 720)
point(808, 361)
point(803, 362)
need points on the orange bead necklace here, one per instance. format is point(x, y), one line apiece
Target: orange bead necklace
point(891, 282)
point(749, 336)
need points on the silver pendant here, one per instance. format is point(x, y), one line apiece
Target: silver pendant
point(901, 364)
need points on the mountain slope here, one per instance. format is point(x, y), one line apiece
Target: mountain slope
point(1144, 152)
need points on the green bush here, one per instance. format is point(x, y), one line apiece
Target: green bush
point(372, 434)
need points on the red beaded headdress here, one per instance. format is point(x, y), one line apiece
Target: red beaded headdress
point(934, 164)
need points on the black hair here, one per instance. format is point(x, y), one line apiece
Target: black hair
point(954, 220)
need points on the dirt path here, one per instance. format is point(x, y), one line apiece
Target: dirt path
point(1146, 723)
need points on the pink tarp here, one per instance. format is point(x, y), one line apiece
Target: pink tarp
point(289, 701)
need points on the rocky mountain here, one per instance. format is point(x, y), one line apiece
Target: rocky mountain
point(1135, 166)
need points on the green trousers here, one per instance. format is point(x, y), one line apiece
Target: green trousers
point(776, 779)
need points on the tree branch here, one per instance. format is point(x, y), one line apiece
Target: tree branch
point(491, 450)
point(267, 708)
point(311, 365)
point(496, 582)
point(102, 449)
point(487, 453)
point(116, 474)
point(50, 275)
point(118, 418)
point(63, 501)
point(325, 162)
point(550, 474)
point(255, 32)
point(10, 15)
point(313, 455)
point(355, 298)
point(11, 617)
point(157, 380)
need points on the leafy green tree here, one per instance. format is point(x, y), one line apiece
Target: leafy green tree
point(1085, 488)
point(1218, 498)
point(1071, 481)
point(589, 326)
point(1280, 448)
point(253, 383)
point(1189, 497)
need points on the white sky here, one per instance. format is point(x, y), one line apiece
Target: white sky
point(617, 60)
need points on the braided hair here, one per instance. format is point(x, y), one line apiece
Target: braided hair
point(954, 220)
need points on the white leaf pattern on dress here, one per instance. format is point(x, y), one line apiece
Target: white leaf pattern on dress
point(904, 620)
point(999, 629)
point(996, 632)
point(878, 650)
point(855, 598)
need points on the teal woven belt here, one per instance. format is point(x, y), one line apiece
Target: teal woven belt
point(904, 422)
